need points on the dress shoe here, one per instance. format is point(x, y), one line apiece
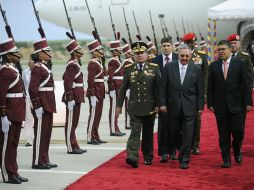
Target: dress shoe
point(133, 163)
point(226, 164)
point(76, 151)
point(14, 180)
point(52, 165)
point(195, 151)
point(27, 145)
point(173, 157)
point(164, 158)
point(22, 179)
point(101, 141)
point(122, 133)
point(148, 162)
point(184, 165)
point(238, 158)
point(41, 166)
point(93, 142)
point(82, 150)
point(127, 127)
point(117, 134)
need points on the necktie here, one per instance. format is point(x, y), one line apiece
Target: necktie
point(233, 55)
point(182, 74)
point(167, 59)
point(225, 67)
point(140, 67)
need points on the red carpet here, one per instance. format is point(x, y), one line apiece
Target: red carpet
point(204, 171)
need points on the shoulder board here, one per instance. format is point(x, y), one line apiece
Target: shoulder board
point(37, 64)
point(202, 52)
point(154, 64)
point(128, 65)
point(244, 53)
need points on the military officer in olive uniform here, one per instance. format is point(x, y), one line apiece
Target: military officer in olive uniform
point(200, 59)
point(234, 41)
point(142, 78)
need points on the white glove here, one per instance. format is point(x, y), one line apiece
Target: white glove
point(127, 94)
point(71, 105)
point(94, 100)
point(112, 93)
point(106, 87)
point(39, 111)
point(5, 124)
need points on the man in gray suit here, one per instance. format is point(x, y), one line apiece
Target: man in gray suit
point(182, 96)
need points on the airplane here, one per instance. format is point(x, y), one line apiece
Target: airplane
point(192, 13)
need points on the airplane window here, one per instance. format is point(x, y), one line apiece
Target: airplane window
point(119, 2)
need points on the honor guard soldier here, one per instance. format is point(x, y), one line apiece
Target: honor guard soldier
point(200, 59)
point(115, 79)
point(73, 96)
point(234, 41)
point(41, 91)
point(176, 46)
point(95, 92)
point(152, 51)
point(142, 78)
point(12, 111)
point(128, 53)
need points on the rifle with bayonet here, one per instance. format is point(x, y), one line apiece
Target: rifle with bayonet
point(40, 29)
point(7, 26)
point(127, 26)
point(165, 27)
point(176, 31)
point(200, 34)
point(154, 36)
point(162, 27)
point(72, 35)
point(112, 24)
point(184, 30)
point(139, 35)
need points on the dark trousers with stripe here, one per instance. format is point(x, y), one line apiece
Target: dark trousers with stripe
point(71, 139)
point(42, 146)
point(94, 120)
point(10, 153)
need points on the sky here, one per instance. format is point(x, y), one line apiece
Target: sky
point(24, 25)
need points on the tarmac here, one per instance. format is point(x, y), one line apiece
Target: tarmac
point(70, 167)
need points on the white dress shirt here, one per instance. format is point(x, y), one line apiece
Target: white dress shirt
point(164, 58)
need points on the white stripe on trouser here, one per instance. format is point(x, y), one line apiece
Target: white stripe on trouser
point(5, 175)
point(69, 125)
point(38, 142)
point(113, 112)
point(90, 126)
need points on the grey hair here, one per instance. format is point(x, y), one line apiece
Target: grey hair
point(183, 46)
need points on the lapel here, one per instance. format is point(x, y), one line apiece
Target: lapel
point(231, 65)
point(188, 73)
point(174, 57)
point(176, 73)
point(219, 69)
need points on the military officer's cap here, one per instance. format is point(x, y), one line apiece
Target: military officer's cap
point(41, 45)
point(139, 47)
point(189, 37)
point(8, 46)
point(150, 46)
point(233, 37)
point(72, 46)
point(202, 43)
point(94, 45)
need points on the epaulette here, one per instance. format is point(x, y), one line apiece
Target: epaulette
point(154, 64)
point(37, 64)
point(202, 52)
point(128, 65)
point(244, 53)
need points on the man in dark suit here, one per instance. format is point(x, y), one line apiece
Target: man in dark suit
point(164, 145)
point(228, 86)
point(182, 96)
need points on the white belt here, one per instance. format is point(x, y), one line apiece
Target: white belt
point(14, 95)
point(118, 77)
point(42, 89)
point(98, 80)
point(77, 85)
